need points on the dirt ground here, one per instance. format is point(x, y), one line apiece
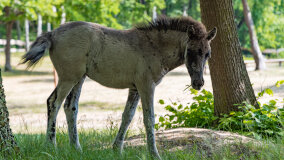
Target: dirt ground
point(100, 106)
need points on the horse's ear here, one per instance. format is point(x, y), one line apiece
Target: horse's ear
point(190, 31)
point(211, 34)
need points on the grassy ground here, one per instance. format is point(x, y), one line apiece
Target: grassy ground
point(97, 145)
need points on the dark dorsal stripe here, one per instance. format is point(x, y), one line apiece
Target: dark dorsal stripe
point(178, 24)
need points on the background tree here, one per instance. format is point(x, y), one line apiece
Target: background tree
point(9, 14)
point(11, 11)
point(258, 57)
point(7, 140)
point(175, 8)
point(268, 19)
point(230, 81)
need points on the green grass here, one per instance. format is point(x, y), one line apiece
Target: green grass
point(97, 145)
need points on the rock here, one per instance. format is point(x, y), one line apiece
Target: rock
point(204, 141)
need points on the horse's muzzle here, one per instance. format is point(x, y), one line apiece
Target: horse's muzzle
point(197, 84)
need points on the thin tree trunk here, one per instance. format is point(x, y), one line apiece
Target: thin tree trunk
point(18, 30)
point(7, 140)
point(48, 27)
point(9, 26)
point(164, 11)
point(241, 23)
point(230, 80)
point(258, 57)
point(184, 11)
point(27, 31)
point(154, 13)
point(63, 16)
point(142, 1)
point(39, 25)
point(189, 7)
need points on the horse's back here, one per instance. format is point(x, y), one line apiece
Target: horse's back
point(70, 47)
point(110, 57)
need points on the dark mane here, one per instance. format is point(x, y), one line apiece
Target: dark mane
point(178, 24)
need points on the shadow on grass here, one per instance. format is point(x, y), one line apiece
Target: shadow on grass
point(19, 72)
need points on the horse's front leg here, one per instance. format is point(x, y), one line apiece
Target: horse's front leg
point(127, 116)
point(71, 111)
point(146, 92)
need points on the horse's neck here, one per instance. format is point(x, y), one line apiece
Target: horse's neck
point(170, 45)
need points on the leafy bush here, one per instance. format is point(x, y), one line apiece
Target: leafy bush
point(200, 113)
point(267, 121)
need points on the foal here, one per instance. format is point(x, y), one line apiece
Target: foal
point(136, 59)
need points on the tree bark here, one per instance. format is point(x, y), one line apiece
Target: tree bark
point(230, 81)
point(7, 140)
point(9, 26)
point(258, 57)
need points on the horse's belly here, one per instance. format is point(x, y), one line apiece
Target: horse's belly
point(113, 73)
point(111, 80)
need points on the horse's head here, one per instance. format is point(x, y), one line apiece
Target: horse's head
point(196, 54)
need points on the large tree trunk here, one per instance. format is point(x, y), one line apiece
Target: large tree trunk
point(230, 81)
point(9, 26)
point(258, 57)
point(7, 140)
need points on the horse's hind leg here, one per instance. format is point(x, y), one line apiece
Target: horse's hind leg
point(71, 111)
point(127, 116)
point(53, 104)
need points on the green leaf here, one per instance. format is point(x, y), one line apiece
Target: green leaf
point(278, 83)
point(247, 121)
point(272, 102)
point(193, 91)
point(268, 91)
point(232, 113)
point(161, 119)
point(180, 106)
point(268, 131)
point(161, 101)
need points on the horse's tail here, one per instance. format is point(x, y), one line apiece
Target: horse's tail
point(38, 49)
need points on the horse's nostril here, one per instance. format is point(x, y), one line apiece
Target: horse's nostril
point(198, 82)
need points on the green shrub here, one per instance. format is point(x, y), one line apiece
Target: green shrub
point(200, 113)
point(267, 121)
